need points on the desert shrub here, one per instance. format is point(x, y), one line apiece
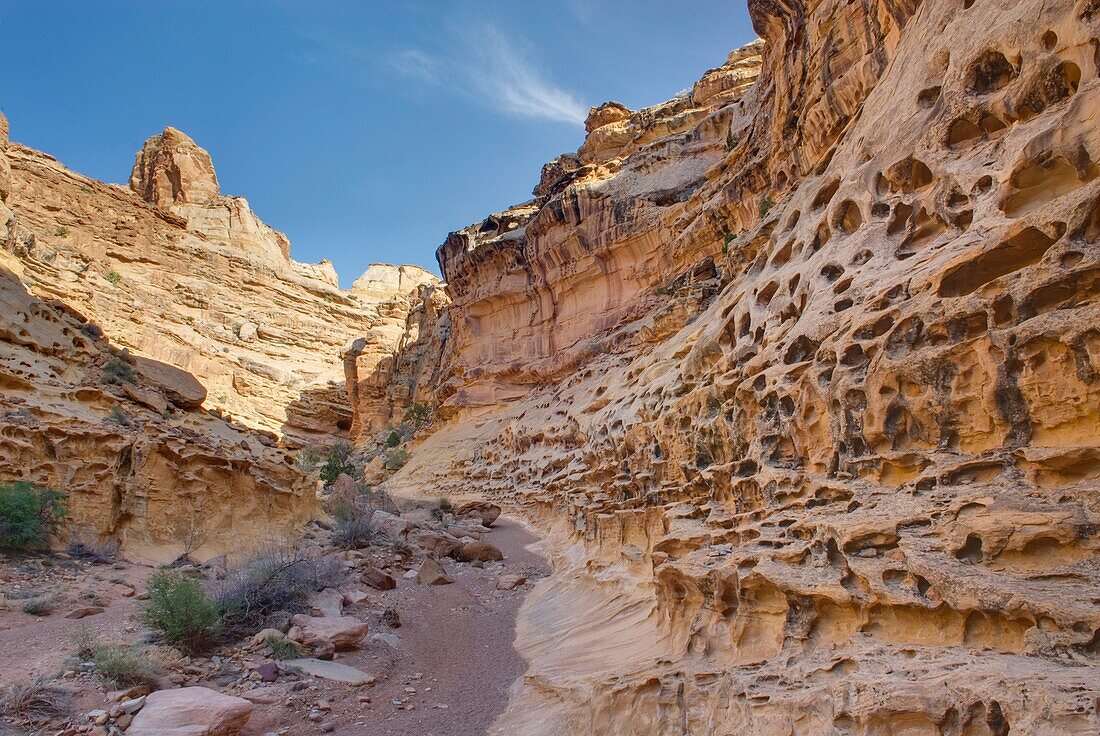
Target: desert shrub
point(29, 515)
point(118, 370)
point(85, 642)
point(61, 231)
point(282, 648)
point(179, 609)
point(417, 414)
point(96, 552)
point(34, 701)
point(39, 606)
point(393, 439)
point(277, 580)
point(123, 666)
point(119, 416)
point(114, 277)
point(351, 528)
point(396, 459)
point(338, 462)
point(307, 459)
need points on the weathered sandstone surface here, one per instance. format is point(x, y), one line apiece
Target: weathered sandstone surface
point(173, 270)
point(215, 316)
point(801, 376)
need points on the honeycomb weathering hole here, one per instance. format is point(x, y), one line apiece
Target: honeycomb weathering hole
point(990, 72)
point(1020, 251)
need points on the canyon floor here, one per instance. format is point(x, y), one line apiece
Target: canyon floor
point(443, 666)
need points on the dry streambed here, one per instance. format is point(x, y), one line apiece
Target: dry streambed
point(433, 654)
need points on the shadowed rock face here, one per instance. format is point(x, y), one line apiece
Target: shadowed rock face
point(804, 387)
point(139, 464)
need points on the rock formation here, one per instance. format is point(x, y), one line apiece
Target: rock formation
point(213, 315)
point(800, 376)
point(173, 270)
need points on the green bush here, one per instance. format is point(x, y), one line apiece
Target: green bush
point(122, 666)
point(29, 515)
point(179, 609)
point(417, 415)
point(114, 277)
point(393, 439)
point(338, 462)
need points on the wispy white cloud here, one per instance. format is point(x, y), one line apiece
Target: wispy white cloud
point(415, 63)
point(495, 71)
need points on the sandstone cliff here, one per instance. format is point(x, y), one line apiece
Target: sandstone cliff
point(800, 376)
point(175, 271)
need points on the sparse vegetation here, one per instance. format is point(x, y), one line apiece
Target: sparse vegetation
point(282, 648)
point(179, 609)
point(119, 370)
point(100, 553)
point(29, 516)
point(307, 459)
point(417, 415)
point(123, 666)
point(39, 606)
point(396, 459)
point(85, 188)
point(61, 231)
point(33, 701)
point(85, 642)
point(393, 439)
point(766, 204)
point(729, 238)
point(118, 416)
point(730, 143)
point(279, 580)
point(338, 462)
point(352, 529)
point(114, 277)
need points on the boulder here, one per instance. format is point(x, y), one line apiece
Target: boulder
point(181, 388)
point(353, 596)
point(435, 543)
point(473, 550)
point(390, 525)
point(329, 671)
point(510, 582)
point(377, 579)
point(191, 711)
point(487, 512)
point(344, 632)
point(83, 612)
point(329, 602)
point(432, 573)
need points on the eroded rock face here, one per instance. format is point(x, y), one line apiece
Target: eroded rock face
point(177, 272)
point(139, 464)
point(805, 392)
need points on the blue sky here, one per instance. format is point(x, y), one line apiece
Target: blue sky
point(365, 131)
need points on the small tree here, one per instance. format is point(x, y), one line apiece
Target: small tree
point(29, 516)
point(393, 439)
point(179, 609)
point(338, 462)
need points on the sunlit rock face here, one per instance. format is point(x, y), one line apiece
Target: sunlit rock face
point(800, 377)
point(175, 271)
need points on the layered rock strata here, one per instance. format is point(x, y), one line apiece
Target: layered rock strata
point(173, 270)
point(804, 387)
point(139, 463)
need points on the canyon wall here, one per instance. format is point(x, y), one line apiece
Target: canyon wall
point(801, 378)
point(173, 270)
point(160, 351)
